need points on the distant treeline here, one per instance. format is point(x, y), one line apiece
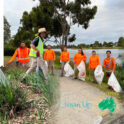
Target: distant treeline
point(97, 44)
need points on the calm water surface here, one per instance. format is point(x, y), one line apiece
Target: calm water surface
point(100, 52)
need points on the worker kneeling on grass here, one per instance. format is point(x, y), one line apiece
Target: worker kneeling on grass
point(64, 58)
point(23, 55)
point(94, 61)
point(80, 56)
point(37, 51)
point(109, 64)
point(50, 57)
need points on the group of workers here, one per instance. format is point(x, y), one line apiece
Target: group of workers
point(23, 53)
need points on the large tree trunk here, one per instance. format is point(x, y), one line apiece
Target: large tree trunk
point(63, 41)
point(66, 40)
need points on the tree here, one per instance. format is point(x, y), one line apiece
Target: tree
point(105, 44)
point(58, 16)
point(121, 42)
point(96, 44)
point(110, 44)
point(40, 16)
point(7, 32)
point(77, 12)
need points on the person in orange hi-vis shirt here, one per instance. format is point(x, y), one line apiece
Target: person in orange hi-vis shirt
point(109, 64)
point(64, 58)
point(23, 55)
point(50, 57)
point(80, 56)
point(94, 61)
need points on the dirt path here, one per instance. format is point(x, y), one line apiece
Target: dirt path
point(71, 111)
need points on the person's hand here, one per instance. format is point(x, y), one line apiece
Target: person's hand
point(38, 53)
point(10, 61)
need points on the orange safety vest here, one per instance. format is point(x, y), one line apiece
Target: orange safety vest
point(23, 55)
point(78, 58)
point(65, 56)
point(109, 64)
point(49, 55)
point(94, 62)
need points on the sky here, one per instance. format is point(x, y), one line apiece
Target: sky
point(108, 24)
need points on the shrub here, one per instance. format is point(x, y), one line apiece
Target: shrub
point(12, 98)
point(120, 75)
point(49, 89)
point(8, 50)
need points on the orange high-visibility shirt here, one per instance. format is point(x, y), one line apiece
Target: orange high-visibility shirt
point(22, 54)
point(109, 63)
point(94, 62)
point(49, 55)
point(65, 56)
point(78, 58)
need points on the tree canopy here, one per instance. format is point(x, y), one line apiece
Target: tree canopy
point(58, 16)
point(7, 32)
point(121, 42)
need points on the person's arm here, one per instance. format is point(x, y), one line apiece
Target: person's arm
point(34, 44)
point(114, 64)
point(14, 56)
point(104, 64)
point(68, 56)
point(90, 63)
point(28, 50)
point(84, 57)
point(98, 60)
point(34, 47)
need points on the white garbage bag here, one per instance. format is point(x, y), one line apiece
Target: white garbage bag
point(46, 64)
point(99, 120)
point(82, 71)
point(113, 82)
point(99, 74)
point(68, 70)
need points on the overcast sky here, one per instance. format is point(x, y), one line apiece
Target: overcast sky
point(108, 24)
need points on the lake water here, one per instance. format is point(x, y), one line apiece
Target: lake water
point(100, 52)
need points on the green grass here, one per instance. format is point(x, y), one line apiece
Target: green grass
point(120, 75)
point(49, 89)
point(11, 97)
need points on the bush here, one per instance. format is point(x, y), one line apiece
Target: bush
point(120, 75)
point(48, 88)
point(12, 99)
point(8, 50)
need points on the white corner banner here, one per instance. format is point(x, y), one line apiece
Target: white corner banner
point(1, 34)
